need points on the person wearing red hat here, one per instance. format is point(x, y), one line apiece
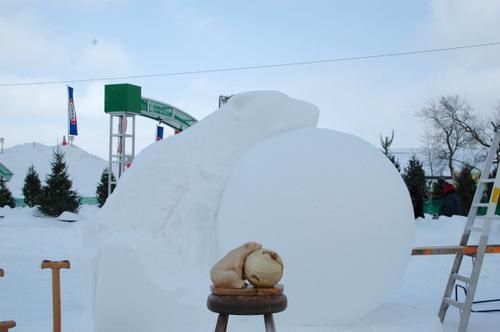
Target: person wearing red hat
point(452, 204)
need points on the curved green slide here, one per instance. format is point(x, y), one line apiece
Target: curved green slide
point(126, 98)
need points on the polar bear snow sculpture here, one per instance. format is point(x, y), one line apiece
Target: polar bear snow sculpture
point(258, 156)
point(159, 226)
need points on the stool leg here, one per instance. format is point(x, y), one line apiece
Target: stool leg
point(269, 322)
point(222, 323)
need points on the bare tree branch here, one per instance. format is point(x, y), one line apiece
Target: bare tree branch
point(449, 134)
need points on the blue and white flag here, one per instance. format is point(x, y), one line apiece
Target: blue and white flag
point(159, 133)
point(72, 129)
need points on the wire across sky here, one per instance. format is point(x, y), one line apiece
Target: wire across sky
point(256, 67)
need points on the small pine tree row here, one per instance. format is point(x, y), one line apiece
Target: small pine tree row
point(414, 177)
point(56, 196)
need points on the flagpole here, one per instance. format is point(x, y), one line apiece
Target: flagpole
point(72, 121)
point(67, 111)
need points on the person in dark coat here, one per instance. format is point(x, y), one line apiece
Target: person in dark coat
point(452, 205)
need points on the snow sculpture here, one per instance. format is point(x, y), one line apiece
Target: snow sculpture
point(179, 181)
point(228, 272)
point(263, 268)
point(161, 219)
point(335, 207)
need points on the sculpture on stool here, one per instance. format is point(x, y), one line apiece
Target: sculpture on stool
point(230, 294)
point(228, 272)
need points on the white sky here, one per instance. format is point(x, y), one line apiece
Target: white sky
point(53, 40)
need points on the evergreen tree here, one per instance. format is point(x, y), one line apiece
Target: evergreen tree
point(57, 195)
point(32, 188)
point(6, 198)
point(438, 189)
point(386, 143)
point(414, 177)
point(466, 187)
point(102, 187)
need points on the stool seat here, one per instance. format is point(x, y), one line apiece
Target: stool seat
point(6, 325)
point(247, 305)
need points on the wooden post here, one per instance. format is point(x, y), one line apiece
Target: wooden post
point(56, 289)
point(6, 325)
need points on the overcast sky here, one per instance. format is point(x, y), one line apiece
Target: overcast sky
point(57, 40)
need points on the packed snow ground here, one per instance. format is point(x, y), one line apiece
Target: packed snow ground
point(26, 240)
point(84, 168)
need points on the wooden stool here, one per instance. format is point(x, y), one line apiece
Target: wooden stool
point(5, 326)
point(247, 301)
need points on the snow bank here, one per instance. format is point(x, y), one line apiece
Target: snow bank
point(26, 290)
point(160, 223)
point(323, 208)
point(84, 168)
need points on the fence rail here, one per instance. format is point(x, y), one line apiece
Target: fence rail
point(89, 200)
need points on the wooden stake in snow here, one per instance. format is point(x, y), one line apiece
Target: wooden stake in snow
point(56, 289)
point(6, 325)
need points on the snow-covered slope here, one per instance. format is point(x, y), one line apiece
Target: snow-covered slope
point(84, 168)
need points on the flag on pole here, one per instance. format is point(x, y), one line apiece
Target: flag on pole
point(72, 129)
point(159, 133)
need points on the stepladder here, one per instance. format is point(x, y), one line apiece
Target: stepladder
point(486, 198)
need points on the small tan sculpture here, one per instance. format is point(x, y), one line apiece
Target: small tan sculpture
point(228, 272)
point(263, 268)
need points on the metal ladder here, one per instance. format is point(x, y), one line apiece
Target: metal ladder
point(472, 280)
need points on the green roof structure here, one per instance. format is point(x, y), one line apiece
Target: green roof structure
point(5, 173)
point(126, 98)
